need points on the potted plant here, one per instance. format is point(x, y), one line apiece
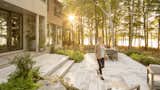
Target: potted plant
point(31, 39)
point(42, 44)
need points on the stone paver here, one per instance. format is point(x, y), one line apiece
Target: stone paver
point(46, 62)
point(117, 74)
point(5, 72)
point(48, 85)
point(6, 59)
point(63, 69)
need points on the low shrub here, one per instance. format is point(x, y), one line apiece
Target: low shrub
point(19, 84)
point(130, 52)
point(144, 59)
point(140, 54)
point(62, 52)
point(25, 76)
point(75, 55)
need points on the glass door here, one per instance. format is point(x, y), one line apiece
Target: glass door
point(3, 30)
point(15, 32)
point(10, 31)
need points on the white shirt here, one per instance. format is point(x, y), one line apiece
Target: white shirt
point(102, 51)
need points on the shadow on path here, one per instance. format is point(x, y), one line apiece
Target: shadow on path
point(117, 74)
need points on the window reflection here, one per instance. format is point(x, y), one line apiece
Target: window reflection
point(3, 29)
point(10, 31)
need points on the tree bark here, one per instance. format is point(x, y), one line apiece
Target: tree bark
point(111, 27)
point(159, 34)
point(81, 29)
point(103, 27)
point(96, 25)
point(145, 25)
point(130, 22)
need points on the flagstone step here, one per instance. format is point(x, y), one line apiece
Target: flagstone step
point(6, 58)
point(49, 85)
point(4, 62)
point(5, 72)
point(63, 70)
point(11, 52)
point(48, 64)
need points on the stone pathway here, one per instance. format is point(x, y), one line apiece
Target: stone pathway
point(48, 63)
point(117, 74)
point(7, 58)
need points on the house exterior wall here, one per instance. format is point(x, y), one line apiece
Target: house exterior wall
point(29, 8)
point(55, 23)
point(34, 6)
point(52, 18)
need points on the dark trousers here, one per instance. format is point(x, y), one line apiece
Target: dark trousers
point(101, 64)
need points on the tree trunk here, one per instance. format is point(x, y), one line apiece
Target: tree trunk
point(69, 36)
point(115, 37)
point(103, 27)
point(151, 39)
point(81, 28)
point(111, 27)
point(91, 37)
point(96, 25)
point(106, 30)
point(159, 34)
point(90, 31)
point(145, 25)
point(131, 22)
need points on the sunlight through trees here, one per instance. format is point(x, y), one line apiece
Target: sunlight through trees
point(132, 23)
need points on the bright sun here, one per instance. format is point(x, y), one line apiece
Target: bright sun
point(71, 18)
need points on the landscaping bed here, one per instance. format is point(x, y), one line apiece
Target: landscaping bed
point(75, 55)
point(146, 57)
point(25, 77)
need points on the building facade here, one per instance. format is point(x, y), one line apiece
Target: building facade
point(55, 23)
point(23, 25)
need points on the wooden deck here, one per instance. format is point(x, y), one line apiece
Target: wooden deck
point(117, 74)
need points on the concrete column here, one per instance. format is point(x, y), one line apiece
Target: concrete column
point(45, 30)
point(37, 33)
point(49, 34)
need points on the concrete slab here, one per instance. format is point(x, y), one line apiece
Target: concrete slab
point(118, 75)
point(46, 62)
point(6, 58)
point(49, 63)
point(48, 85)
point(63, 70)
point(5, 72)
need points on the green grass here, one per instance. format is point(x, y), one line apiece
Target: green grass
point(75, 55)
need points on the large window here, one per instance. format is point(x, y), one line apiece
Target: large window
point(10, 31)
point(3, 30)
point(55, 35)
point(57, 8)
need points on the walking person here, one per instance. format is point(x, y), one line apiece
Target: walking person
point(100, 54)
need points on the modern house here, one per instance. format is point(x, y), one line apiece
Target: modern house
point(23, 25)
point(55, 23)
